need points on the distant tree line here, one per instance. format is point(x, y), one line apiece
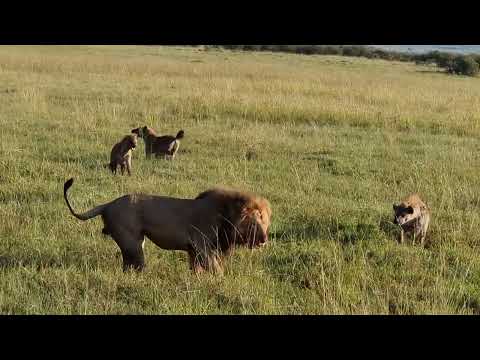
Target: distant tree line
point(452, 63)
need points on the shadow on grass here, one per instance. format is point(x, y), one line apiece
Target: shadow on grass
point(328, 164)
point(318, 229)
point(47, 261)
point(305, 267)
point(469, 302)
point(387, 227)
point(432, 72)
point(392, 231)
point(236, 304)
point(12, 262)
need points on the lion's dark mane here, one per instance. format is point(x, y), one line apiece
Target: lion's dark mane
point(230, 204)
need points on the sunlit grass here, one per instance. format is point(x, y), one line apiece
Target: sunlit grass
point(336, 142)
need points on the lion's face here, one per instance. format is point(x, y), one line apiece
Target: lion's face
point(255, 223)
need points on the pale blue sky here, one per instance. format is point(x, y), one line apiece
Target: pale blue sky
point(424, 48)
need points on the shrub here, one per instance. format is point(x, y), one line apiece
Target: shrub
point(452, 63)
point(476, 57)
point(446, 61)
point(465, 65)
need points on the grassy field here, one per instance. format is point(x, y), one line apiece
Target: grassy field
point(337, 141)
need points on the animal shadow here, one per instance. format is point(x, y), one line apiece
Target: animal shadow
point(387, 227)
point(431, 72)
point(344, 232)
point(392, 231)
point(328, 163)
point(11, 262)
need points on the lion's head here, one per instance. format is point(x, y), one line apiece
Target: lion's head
point(243, 218)
point(254, 223)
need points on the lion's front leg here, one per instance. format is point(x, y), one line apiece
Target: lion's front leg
point(215, 265)
point(195, 263)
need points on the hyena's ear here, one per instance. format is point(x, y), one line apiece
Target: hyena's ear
point(395, 207)
point(410, 210)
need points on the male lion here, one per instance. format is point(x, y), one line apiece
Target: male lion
point(166, 145)
point(207, 227)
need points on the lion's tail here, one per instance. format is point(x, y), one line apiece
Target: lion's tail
point(85, 216)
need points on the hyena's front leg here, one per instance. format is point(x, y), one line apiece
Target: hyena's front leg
point(129, 166)
point(402, 234)
point(148, 150)
point(423, 235)
point(422, 239)
point(425, 228)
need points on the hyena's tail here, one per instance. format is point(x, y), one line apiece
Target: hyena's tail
point(87, 215)
point(180, 135)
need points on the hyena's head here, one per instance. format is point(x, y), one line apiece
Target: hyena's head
point(141, 132)
point(132, 141)
point(403, 214)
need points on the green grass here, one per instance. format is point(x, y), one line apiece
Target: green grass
point(337, 141)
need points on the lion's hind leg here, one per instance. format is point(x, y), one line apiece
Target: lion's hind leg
point(131, 246)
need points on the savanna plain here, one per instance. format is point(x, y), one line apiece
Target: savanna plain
point(332, 142)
